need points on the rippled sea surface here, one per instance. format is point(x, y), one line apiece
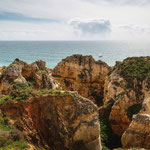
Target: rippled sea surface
point(54, 51)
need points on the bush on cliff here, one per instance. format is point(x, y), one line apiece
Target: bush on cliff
point(136, 67)
point(108, 138)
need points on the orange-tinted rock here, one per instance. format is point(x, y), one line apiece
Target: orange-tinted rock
point(125, 88)
point(138, 133)
point(58, 122)
point(21, 72)
point(82, 74)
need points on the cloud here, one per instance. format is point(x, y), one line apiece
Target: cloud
point(97, 26)
point(57, 9)
point(120, 2)
point(14, 30)
point(136, 29)
point(22, 18)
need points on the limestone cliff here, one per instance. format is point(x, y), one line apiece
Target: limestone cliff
point(124, 86)
point(82, 74)
point(35, 74)
point(56, 121)
point(138, 133)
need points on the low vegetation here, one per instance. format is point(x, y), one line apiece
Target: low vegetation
point(108, 138)
point(9, 139)
point(22, 91)
point(136, 67)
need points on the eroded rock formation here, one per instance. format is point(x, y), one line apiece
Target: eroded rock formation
point(138, 133)
point(124, 86)
point(82, 74)
point(21, 72)
point(56, 122)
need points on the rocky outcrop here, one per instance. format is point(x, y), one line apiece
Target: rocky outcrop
point(138, 133)
point(82, 74)
point(35, 74)
point(54, 122)
point(124, 86)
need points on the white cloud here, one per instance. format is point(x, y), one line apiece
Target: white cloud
point(32, 31)
point(120, 2)
point(136, 29)
point(94, 26)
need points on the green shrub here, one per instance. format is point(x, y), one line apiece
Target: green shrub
point(21, 94)
point(20, 86)
point(136, 67)
point(5, 97)
point(4, 124)
point(108, 138)
point(134, 109)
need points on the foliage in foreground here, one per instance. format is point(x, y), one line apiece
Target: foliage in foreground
point(108, 138)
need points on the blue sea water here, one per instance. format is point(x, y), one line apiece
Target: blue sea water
point(54, 51)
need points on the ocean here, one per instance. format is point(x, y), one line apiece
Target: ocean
point(54, 51)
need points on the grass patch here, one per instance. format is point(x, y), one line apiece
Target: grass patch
point(60, 92)
point(134, 109)
point(136, 67)
point(17, 145)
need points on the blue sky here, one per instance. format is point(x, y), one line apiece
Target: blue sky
point(75, 20)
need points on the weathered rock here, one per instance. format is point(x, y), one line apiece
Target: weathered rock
point(138, 133)
point(124, 86)
point(21, 72)
point(82, 74)
point(57, 121)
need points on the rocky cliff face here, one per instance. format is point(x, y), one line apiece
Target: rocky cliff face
point(138, 133)
point(35, 74)
point(124, 86)
point(53, 119)
point(82, 74)
point(56, 121)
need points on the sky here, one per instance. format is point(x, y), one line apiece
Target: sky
point(75, 20)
